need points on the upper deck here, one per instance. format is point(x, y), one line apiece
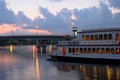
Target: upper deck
point(107, 36)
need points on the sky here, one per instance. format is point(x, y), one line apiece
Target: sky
point(57, 17)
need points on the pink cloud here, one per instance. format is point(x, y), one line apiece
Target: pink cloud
point(4, 28)
point(7, 29)
point(39, 31)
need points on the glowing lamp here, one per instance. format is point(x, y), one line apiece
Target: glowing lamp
point(75, 32)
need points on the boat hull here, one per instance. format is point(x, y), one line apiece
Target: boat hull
point(85, 60)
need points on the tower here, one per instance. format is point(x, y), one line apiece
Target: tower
point(74, 32)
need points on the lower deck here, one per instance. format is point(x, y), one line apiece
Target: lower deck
point(89, 50)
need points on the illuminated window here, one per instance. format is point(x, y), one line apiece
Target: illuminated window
point(92, 37)
point(60, 49)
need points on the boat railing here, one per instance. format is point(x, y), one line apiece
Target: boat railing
point(95, 42)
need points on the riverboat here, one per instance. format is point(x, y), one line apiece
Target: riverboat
point(95, 45)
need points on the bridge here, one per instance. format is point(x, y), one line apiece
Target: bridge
point(38, 40)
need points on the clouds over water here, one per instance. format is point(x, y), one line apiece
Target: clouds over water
point(88, 18)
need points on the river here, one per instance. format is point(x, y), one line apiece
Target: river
point(27, 63)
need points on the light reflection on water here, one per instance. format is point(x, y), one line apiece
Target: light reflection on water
point(27, 63)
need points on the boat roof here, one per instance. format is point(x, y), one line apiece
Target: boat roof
point(100, 30)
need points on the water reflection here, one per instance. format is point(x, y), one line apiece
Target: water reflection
point(27, 63)
point(33, 51)
point(50, 49)
point(91, 72)
point(35, 56)
point(11, 48)
point(37, 67)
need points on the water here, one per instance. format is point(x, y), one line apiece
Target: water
point(26, 63)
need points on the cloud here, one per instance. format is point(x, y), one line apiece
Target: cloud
point(88, 18)
point(94, 17)
point(22, 20)
point(18, 23)
point(37, 31)
point(4, 28)
point(6, 16)
point(54, 23)
point(115, 3)
point(9, 29)
point(117, 19)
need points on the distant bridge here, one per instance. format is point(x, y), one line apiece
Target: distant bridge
point(34, 37)
point(38, 40)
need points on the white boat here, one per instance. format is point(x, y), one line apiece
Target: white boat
point(96, 45)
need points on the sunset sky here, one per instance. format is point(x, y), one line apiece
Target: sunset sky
point(57, 16)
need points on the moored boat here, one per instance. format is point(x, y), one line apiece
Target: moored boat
point(96, 45)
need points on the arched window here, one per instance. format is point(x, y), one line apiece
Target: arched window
point(89, 50)
point(102, 50)
point(96, 37)
point(77, 50)
point(83, 37)
point(110, 36)
point(92, 37)
point(107, 50)
point(98, 50)
point(85, 50)
point(70, 50)
point(93, 50)
point(112, 51)
point(73, 50)
point(88, 37)
point(100, 37)
point(118, 50)
point(105, 36)
point(81, 50)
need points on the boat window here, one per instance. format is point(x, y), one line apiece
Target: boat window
point(77, 50)
point(118, 50)
point(98, 50)
point(85, 50)
point(102, 50)
point(92, 37)
point(118, 38)
point(100, 37)
point(73, 50)
point(70, 50)
point(89, 50)
point(93, 50)
point(64, 51)
point(83, 37)
point(60, 49)
point(107, 50)
point(112, 51)
point(110, 36)
point(88, 37)
point(81, 50)
point(105, 36)
point(96, 37)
